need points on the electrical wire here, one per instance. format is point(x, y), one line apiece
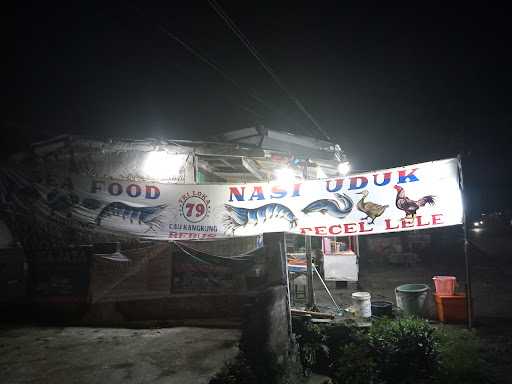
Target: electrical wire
point(217, 69)
point(245, 41)
point(259, 118)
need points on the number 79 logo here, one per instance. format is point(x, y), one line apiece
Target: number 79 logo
point(194, 209)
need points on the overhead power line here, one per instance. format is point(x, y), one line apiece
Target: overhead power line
point(258, 117)
point(245, 41)
point(217, 69)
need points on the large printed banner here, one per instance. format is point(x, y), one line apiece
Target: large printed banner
point(414, 197)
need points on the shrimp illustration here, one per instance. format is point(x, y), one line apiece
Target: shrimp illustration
point(331, 207)
point(240, 217)
point(92, 204)
point(149, 216)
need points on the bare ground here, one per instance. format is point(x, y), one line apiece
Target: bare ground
point(112, 355)
point(490, 257)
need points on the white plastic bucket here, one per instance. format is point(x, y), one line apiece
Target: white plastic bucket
point(361, 303)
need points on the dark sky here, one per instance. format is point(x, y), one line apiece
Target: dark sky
point(390, 85)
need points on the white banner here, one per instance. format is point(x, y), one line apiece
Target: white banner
point(414, 197)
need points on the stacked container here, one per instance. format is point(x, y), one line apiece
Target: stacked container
point(450, 306)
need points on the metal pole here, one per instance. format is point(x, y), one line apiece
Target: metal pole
point(309, 272)
point(309, 263)
point(327, 289)
point(469, 298)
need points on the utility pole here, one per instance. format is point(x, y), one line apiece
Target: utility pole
point(309, 263)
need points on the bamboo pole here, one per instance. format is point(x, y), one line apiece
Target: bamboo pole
point(321, 315)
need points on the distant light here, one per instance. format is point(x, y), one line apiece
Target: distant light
point(161, 165)
point(344, 168)
point(284, 175)
point(481, 222)
point(476, 223)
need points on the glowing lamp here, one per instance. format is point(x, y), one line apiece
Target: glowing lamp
point(161, 165)
point(284, 175)
point(343, 168)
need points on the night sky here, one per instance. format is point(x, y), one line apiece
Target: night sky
point(391, 85)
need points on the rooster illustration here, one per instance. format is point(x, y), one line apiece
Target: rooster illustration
point(408, 205)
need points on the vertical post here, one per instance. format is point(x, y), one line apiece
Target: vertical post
point(274, 265)
point(309, 263)
point(284, 260)
point(195, 168)
point(309, 272)
point(271, 321)
point(171, 253)
point(469, 299)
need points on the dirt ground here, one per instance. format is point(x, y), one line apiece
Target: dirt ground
point(105, 355)
point(192, 355)
point(490, 258)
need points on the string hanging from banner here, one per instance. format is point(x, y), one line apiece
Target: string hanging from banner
point(246, 256)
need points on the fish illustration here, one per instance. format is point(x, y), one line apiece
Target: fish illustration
point(149, 216)
point(331, 207)
point(239, 217)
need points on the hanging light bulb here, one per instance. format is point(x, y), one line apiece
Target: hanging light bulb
point(344, 168)
point(115, 256)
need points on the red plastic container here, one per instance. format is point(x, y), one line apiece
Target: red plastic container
point(451, 309)
point(445, 285)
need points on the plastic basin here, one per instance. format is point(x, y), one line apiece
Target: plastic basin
point(410, 298)
point(382, 308)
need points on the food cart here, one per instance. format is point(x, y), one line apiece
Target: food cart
point(341, 258)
